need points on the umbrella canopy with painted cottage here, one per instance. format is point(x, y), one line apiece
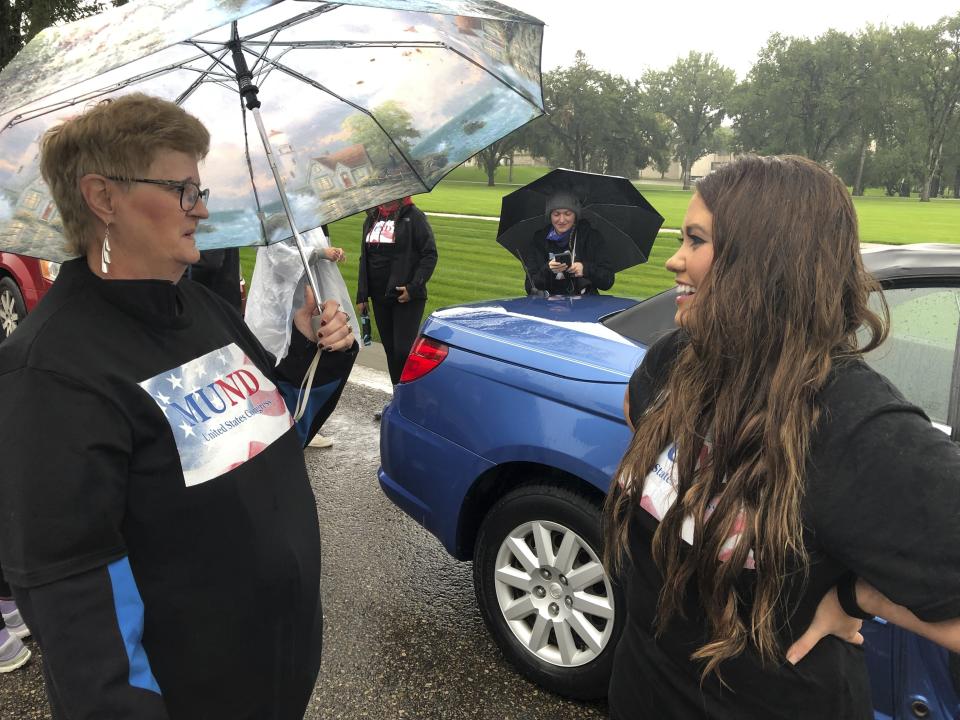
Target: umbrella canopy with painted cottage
point(362, 101)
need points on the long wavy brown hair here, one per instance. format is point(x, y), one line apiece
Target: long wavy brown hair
point(781, 304)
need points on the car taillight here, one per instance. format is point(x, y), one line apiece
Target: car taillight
point(49, 270)
point(424, 356)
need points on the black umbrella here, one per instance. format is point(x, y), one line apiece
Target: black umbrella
point(615, 208)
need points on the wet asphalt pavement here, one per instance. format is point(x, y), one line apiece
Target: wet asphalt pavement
point(403, 637)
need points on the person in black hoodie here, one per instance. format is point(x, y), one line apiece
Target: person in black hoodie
point(568, 255)
point(397, 258)
point(159, 530)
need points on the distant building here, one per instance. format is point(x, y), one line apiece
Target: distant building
point(340, 170)
point(701, 167)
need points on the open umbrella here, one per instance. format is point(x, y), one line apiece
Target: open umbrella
point(363, 101)
point(614, 207)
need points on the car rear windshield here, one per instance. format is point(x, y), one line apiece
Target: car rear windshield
point(646, 321)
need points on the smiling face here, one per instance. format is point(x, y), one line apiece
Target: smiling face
point(152, 236)
point(562, 219)
point(692, 261)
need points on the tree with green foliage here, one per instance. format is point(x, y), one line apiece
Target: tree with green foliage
point(575, 104)
point(929, 70)
point(21, 20)
point(951, 164)
point(494, 154)
point(381, 138)
point(635, 136)
point(693, 95)
point(801, 96)
point(595, 122)
point(877, 101)
point(529, 137)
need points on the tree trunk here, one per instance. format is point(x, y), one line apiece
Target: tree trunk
point(858, 182)
point(904, 188)
point(488, 160)
point(956, 184)
point(510, 171)
point(925, 189)
point(685, 172)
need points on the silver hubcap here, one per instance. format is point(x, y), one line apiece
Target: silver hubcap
point(554, 594)
point(8, 312)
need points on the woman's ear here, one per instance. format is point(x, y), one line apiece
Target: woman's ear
point(100, 196)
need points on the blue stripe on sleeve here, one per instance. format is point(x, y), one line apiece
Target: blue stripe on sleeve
point(129, 607)
point(318, 398)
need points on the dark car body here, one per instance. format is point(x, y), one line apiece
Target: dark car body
point(519, 424)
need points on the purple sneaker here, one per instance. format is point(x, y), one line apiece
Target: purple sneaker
point(13, 620)
point(13, 653)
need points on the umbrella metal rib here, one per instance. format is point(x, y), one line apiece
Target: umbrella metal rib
point(291, 21)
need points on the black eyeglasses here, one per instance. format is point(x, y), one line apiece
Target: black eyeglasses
point(190, 192)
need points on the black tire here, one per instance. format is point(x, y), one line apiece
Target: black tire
point(12, 308)
point(579, 669)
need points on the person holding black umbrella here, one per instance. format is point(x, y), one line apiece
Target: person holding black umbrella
point(567, 256)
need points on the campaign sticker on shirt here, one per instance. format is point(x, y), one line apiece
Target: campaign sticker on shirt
point(660, 493)
point(222, 410)
point(382, 233)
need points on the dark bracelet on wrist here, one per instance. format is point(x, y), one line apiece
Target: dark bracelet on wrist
point(847, 595)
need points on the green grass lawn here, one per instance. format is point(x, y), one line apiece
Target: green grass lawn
point(468, 197)
point(882, 219)
point(472, 266)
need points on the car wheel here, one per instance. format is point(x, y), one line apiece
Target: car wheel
point(12, 307)
point(543, 591)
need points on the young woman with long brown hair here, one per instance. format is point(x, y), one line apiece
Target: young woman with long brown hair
point(770, 464)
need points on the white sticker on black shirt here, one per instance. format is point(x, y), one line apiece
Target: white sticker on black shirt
point(660, 493)
point(222, 410)
point(382, 233)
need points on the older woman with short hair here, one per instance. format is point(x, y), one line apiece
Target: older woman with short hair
point(158, 525)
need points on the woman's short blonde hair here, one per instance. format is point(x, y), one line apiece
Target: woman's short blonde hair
point(119, 137)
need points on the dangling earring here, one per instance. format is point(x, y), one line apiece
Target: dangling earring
point(105, 252)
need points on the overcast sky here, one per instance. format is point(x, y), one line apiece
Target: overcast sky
point(626, 37)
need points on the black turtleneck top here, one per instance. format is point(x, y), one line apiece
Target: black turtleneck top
point(156, 518)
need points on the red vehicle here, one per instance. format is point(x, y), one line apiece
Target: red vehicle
point(23, 281)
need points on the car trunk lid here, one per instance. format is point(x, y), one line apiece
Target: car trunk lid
point(557, 335)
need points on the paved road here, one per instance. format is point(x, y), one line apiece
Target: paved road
point(403, 636)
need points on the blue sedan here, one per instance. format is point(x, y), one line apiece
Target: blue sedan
point(508, 424)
